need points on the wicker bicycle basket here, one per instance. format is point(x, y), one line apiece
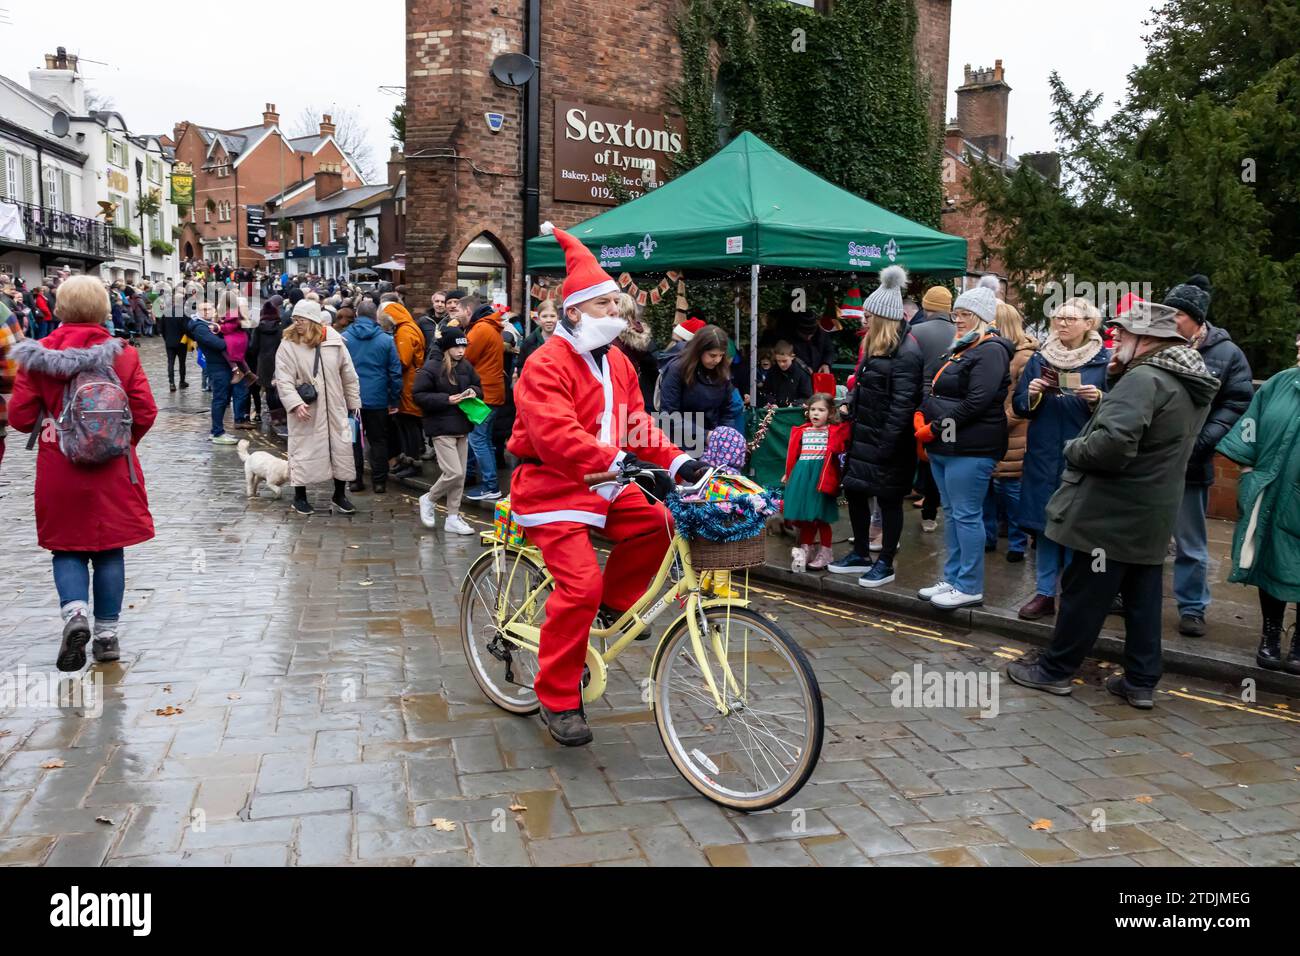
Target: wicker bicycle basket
point(728, 555)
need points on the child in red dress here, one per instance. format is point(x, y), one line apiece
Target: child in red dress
point(812, 479)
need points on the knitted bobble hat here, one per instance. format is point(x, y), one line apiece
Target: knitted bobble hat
point(887, 300)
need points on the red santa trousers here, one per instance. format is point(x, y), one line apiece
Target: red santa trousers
point(642, 532)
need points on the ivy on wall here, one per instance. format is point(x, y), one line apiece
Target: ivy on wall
point(838, 92)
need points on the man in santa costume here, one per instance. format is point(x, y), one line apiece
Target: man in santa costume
point(580, 412)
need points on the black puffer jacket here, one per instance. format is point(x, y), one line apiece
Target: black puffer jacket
point(265, 342)
point(971, 392)
point(882, 446)
point(1229, 365)
point(784, 387)
point(432, 391)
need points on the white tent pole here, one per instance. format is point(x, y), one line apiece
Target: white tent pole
point(753, 334)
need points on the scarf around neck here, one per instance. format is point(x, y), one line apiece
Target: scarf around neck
point(1066, 359)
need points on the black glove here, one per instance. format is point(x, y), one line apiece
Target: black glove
point(691, 471)
point(630, 463)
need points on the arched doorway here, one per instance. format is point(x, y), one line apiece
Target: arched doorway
point(189, 250)
point(482, 269)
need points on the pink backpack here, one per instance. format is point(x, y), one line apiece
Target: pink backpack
point(95, 424)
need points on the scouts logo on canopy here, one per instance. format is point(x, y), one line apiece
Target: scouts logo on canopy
point(647, 246)
point(891, 250)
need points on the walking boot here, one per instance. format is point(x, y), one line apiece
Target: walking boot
point(1292, 663)
point(356, 485)
point(568, 727)
point(76, 635)
point(105, 647)
point(1269, 655)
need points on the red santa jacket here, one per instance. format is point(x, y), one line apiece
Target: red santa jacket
point(575, 418)
point(836, 442)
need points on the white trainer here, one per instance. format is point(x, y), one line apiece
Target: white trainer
point(927, 594)
point(458, 525)
point(428, 513)
point(952, 599)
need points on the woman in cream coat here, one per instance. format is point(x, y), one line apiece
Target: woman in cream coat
point(320, 432)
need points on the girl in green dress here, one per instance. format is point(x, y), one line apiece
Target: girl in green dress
point(812, 480)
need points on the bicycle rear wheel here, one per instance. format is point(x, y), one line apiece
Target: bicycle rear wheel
point(766, 747)
point(497, 585)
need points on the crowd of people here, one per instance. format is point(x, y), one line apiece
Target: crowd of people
point(1090, 449)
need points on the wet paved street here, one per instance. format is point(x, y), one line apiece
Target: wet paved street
point(293, 691)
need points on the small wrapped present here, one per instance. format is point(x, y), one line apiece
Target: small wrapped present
point(722, 489)
point(504, 527)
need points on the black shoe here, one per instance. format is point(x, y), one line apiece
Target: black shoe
point(1191, 625)
point(184, 384)
point(303, 506)
point(1143, 698)
point(568, 727)
point(72, 652)
point(357, 485)
point(257, 419)
point(172, 387)
point(405, 471)
point(1015, 557)
point(343, 506)
point(381, 486)
point(1269, 655)
point(105, 650)
point(1031, 674)
point(1117, 605)
point(990, 546)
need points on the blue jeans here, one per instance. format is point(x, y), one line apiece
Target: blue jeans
point(1191, 587)
point(963, 482)
point(1004, 496)
point(1051, 561)
point(223, 390)
point(72, 580)
point(480, 445)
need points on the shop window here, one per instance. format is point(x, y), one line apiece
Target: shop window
point(482, 269)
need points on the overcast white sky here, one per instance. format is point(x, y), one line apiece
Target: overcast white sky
point(1092, 43)
point(239, 54)
point(243, 53)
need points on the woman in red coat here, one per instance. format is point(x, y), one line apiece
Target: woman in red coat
point(84, 514)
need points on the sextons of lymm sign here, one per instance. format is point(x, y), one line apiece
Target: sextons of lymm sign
point(594, 143)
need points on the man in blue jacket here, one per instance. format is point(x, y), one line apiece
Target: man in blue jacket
point(374, 356)
point(224, 390)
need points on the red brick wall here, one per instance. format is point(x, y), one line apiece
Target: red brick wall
point(463, 180)
point(1223, 493)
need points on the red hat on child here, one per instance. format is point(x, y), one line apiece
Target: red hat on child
point(584, 278)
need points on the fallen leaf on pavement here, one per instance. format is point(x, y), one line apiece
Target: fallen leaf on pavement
point(6, 733)
point(107, 820)
point(1043, 824)
point(1143, 799)
point(232, 697)
point(54, 763)
point(441, 823)
point(1282, 706)
point(168, 711)
point(1188, 754)
point(167, 688)
point(1077, 680)
point(517, 807)
point(354, 547)
point(366, 583)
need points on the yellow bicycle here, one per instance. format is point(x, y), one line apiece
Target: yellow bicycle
point(734, 697)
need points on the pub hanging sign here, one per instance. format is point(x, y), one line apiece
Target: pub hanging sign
point(182, 184)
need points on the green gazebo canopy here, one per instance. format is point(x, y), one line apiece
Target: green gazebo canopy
point(750, 205)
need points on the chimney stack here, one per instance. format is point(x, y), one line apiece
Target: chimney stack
point(270, 117)
point(60, 80)
point(396, 166)
point(329, 180)
point(326, 125)
point(982, 109)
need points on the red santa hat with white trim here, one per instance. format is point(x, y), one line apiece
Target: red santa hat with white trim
point(584, 278)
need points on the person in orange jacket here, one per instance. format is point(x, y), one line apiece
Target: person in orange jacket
point(580, 412)
point(409, 339)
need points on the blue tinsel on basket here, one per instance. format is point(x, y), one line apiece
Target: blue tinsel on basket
point(733, 519)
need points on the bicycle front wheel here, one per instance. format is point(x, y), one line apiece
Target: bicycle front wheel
point(498, 586)
point(766, 746)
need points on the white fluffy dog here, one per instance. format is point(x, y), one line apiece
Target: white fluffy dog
point(260, 467)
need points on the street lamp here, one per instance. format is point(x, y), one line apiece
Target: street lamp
point(139, 205)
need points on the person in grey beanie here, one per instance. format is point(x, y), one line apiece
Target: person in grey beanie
point(881, 452)
point(1228, 364)
point(962, 424)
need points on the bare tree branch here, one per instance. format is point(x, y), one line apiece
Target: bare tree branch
point(350, 133)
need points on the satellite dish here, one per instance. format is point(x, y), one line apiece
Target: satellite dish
point(59, 123)
point(513, 69)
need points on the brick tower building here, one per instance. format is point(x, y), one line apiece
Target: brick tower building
point(606, 73)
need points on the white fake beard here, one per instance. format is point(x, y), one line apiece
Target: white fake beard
point(596, 331)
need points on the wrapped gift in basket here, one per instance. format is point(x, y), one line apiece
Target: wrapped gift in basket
point(725, 520)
